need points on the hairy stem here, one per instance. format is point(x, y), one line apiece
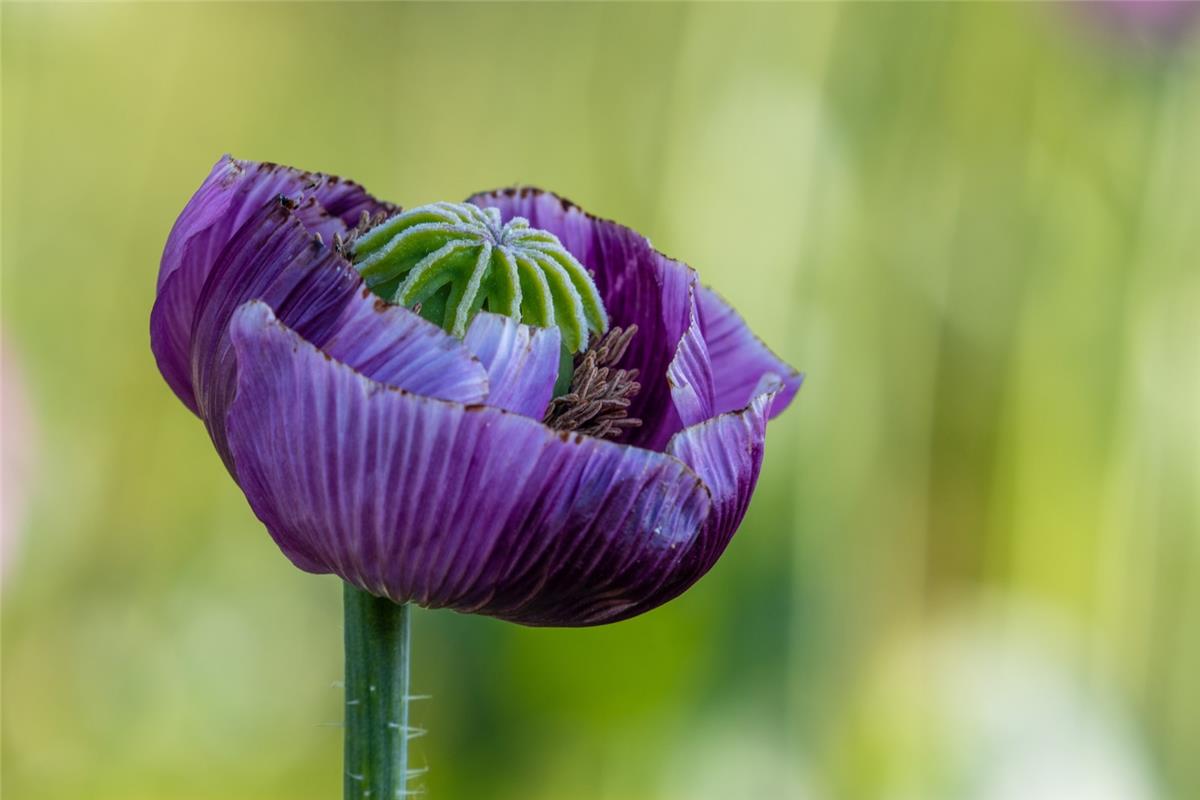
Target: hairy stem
point(377, 695)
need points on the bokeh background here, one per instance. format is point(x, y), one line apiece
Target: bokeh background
point(972, 568)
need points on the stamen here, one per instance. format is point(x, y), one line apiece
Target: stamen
point(597, 403)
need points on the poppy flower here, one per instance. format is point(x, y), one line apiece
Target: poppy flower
point(504, 407)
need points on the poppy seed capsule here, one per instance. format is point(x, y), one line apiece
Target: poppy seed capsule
point(448, 261)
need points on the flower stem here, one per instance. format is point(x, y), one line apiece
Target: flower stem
point(377, 695)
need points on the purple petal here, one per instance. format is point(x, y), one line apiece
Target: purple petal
point(690, 374)
point(393, 346)
point(522, 362)
point(470, 508)
point(638, 284)
point(314, 290)
point(726, 452)
point(739, 359)
point(232, 193)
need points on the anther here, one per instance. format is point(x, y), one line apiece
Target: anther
point(598, 401)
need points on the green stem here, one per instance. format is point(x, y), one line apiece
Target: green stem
point(377, 695)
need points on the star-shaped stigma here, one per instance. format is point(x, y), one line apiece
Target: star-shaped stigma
point(448, 261)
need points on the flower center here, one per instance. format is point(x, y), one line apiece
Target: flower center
point(447, 261)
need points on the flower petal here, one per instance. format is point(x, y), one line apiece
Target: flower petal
point(638, 284)
point(690, 374)
point(522, 362)
point(393, 346)
point(470, 508)
point(232, 193)
point(726, 452)
point(739, 359)
point(313, 289)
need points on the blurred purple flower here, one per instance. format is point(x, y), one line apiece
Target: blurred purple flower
point(18, 456)
point(1148, 21)
point(416, 465)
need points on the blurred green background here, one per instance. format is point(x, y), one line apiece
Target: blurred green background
point(972, 568)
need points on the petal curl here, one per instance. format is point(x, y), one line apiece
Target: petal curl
point(522, 362)
point(393, 346)
point(739, 358)
point(232, 193)
point(313, 289)
point(470, 508)
point(726, 452)
point(690, 373)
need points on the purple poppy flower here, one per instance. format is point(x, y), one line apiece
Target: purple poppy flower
point(442, 469)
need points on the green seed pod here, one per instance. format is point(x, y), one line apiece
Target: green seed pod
point(450, 260)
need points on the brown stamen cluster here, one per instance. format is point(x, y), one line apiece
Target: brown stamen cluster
point(345, 244)
point(598, 401)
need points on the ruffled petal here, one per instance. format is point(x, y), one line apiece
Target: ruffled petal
point(521, 361)
point(313, 289)
point(232, 193)
point(726, 452)
point(690, 374)
point(739, 358)
point(470, 508)
point(638, 284)
point(393, 346)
